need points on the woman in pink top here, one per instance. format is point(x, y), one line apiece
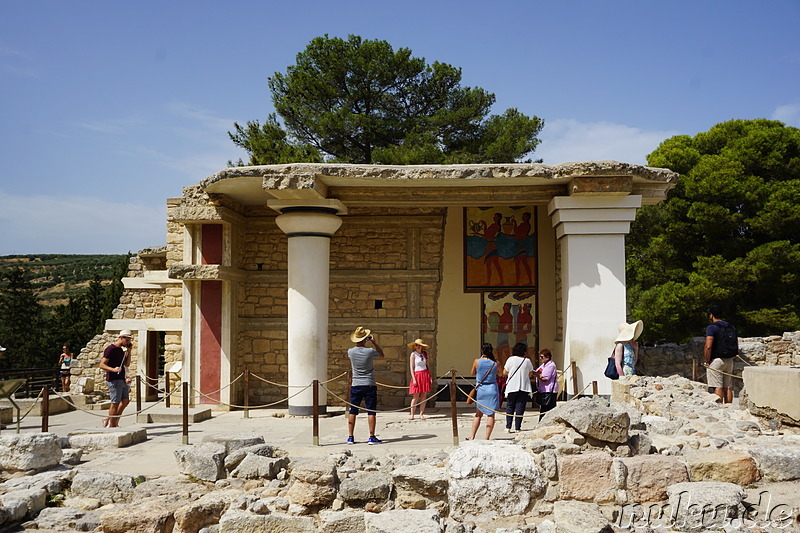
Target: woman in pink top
point(546, 381)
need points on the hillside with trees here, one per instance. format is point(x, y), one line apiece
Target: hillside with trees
point(728, 233)
point(50, 300)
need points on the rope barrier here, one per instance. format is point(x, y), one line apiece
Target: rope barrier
point(433, 380)
point(103, 415)
point(581, 392)
point(721, 372)
point(376, 410)
point(250, 406)
point(33, 404)
point(495, 411)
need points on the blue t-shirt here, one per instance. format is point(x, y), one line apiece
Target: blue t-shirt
point(361, 359)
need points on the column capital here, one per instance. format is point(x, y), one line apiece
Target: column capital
point(593, 215)
point(323, 205)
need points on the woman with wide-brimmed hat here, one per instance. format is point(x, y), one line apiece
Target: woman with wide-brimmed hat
point(626, 351)
point(420, 376)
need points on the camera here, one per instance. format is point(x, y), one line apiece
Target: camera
point(369, 338)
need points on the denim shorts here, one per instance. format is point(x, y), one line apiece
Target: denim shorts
point(118, 390)
point(368, 393)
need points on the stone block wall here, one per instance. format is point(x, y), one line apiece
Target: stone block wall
point(367, 252)
point(676, 359)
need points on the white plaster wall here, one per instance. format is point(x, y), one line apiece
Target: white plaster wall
point(593, 270)
point(459, 326)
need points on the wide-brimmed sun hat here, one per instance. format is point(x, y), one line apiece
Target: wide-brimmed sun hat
point(359, 334)
point(418, 341)
point(2, 349)
point(629, 332)
point(126, 333)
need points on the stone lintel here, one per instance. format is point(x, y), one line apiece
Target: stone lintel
point(342, 324)
point(473, 196)
point(279, 277)
point(358, 221)
point(593, 186)
point(147, 324)
point(199, 214)
point(206, 272)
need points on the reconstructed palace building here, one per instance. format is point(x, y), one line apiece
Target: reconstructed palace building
point(270, 268)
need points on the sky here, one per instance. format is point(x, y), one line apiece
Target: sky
point(109, 108)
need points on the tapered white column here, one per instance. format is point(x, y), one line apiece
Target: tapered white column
point(590, 231)
point(309, 230)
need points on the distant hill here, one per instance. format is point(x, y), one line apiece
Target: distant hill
point(57, 277)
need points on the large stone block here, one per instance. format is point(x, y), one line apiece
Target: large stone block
point(586, 477)
point(649, 476)
point(723, 466)
point(346, 521)
point(30, 451)
point(777, 463)
point(428, 480)
point(579, 517)
point(704, 506)
point(491, 478)
point(106, 487)
point(773, 391)
point(148, 516)
point(403, 521)
point(204, 461)
point(592, 417)
point(366, 486)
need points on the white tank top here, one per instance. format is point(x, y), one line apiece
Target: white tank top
point(420, 362)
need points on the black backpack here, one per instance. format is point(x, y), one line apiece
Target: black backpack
point(726, 343)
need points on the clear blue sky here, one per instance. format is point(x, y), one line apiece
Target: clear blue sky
point(109, 108)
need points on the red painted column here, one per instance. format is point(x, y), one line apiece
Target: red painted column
point(210, 339)
point(211, 316)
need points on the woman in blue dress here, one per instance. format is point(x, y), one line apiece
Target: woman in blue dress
point(487, 398)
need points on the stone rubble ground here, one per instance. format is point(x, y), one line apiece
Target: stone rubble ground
point(589, 466)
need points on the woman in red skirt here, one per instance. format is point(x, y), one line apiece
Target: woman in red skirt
point(420, 376)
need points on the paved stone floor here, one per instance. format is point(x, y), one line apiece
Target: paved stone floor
point(294, 434)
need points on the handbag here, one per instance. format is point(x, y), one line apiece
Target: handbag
point(471, 396)
point(611, 368)
point(474, 391)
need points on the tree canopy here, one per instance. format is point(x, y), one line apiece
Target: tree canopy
point(356, 100)
point(728, 233)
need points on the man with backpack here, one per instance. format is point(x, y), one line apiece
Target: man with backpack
point(722, 345)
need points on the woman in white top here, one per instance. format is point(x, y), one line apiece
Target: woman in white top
point(420, 376)
point(518, 386)
point(64, 361)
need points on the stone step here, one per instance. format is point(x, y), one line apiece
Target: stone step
point(107, 438)
point(173, 415)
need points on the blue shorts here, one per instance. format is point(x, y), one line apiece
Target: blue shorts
point(118, 390)
point(368, 393)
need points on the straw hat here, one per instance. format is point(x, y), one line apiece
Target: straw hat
point(418, 341)
point(359, 334)
point(629, 332)
point(125, 333)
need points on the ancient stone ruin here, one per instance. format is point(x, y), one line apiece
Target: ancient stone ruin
point(666, 457)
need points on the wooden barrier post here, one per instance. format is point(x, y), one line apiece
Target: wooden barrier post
point(453, 408)
point(246, 413)
point(594, 388)
point(574, 369)
point(185, 439)
point(138, 394)
point(45, 408)
point(694, 369)
point(166, 389)
point(315, 412)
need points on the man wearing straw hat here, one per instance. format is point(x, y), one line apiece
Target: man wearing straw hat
point(115, 358)
point(363, 386)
